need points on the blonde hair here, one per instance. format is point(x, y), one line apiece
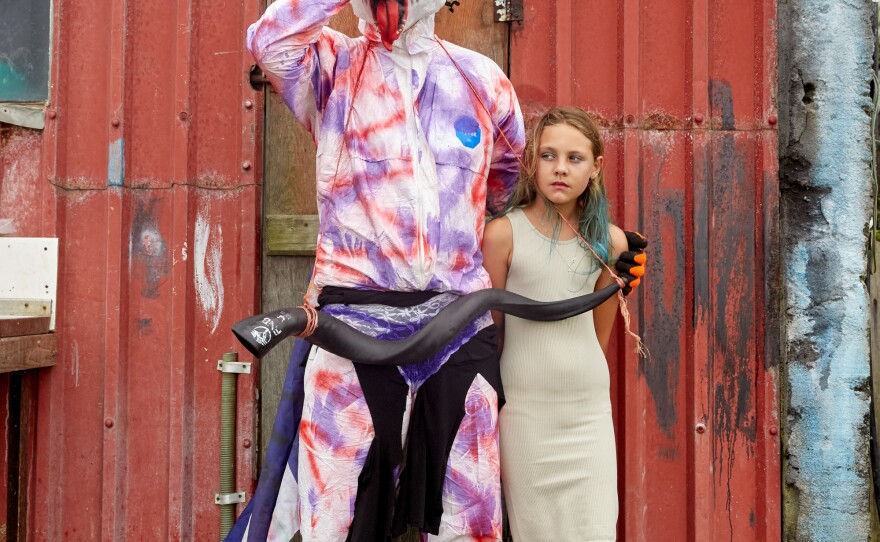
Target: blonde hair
point(594, 218)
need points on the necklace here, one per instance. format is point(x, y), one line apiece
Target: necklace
point(571, 262)
point(574, 262)
point(542, 226)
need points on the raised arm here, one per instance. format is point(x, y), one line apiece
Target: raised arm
point(297, 52)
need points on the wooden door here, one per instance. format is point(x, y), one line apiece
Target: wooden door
point(290, 212)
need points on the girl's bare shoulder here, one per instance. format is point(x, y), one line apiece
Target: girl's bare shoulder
point(498, 232)
point(617, 240)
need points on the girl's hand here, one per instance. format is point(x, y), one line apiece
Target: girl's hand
point(631, 263)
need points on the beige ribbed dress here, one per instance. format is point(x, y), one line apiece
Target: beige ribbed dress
point(558, 464)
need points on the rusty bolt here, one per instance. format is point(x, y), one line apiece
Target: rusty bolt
point(183, 115)
point(698, 118)
point(700, 428)
point(248, 104)
point(630, 119)
point(115, 123)
point(772, 120)
point(51, 114)
point(246, 443)
point(774, 431)
point(246, 165)
point(108, 422)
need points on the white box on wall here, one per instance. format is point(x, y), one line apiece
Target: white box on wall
point(29, 270)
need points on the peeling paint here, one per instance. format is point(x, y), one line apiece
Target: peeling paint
point(148, 247)
point(208, 243)
point(116, 162)
point(20, 180)
point(825, 168)
point(722, 103)
point(661, 369)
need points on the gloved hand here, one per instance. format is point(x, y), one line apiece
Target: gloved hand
point(630, 265)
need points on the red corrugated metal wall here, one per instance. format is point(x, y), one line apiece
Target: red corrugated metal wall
point(686, 91)
point(148, 171)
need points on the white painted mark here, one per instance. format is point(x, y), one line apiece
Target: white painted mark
point(208, 277)
point(74, 365)
point(116, 162)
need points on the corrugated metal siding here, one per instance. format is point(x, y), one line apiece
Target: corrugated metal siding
point(148, 171)
point(686, 91)
point(27, 201)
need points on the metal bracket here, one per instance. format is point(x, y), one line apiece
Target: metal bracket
point(257, 78)
point(229, 498)
point(233, 367)
point(507, 11)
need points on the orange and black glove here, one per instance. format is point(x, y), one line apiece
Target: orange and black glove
point(630, 265)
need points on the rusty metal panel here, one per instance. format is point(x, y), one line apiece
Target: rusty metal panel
point(148, 173)
point(686, 91)
point(151, 282)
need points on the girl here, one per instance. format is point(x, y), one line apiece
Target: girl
point(558, 464)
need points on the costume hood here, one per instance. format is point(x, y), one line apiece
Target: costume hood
point(393, 17)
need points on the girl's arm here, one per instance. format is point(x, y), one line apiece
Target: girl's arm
point(603, 315)
point(497, 250)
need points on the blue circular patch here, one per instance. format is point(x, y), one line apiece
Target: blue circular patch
point(467, 129)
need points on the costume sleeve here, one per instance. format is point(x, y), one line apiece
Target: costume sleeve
point(505, 163)
point(297, 52)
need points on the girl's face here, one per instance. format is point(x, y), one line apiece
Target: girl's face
point(566, 164)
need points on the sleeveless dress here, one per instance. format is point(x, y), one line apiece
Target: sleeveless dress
point(558, 462)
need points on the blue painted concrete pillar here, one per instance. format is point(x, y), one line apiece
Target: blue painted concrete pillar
point(825, 49)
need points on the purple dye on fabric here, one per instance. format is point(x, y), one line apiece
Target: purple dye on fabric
point(343, 60)
point(334, 113)
point(376, 171)
point(407, 221)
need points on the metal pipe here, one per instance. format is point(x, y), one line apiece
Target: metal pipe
point(227, 444)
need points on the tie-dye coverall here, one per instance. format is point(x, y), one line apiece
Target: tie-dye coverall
point(403, 198)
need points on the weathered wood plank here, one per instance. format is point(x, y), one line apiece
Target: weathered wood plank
point(26, 307)
point(291, 235)
point(15, 326)
point(28, 352)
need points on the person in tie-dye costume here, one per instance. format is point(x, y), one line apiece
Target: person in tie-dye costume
point(409, 161)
